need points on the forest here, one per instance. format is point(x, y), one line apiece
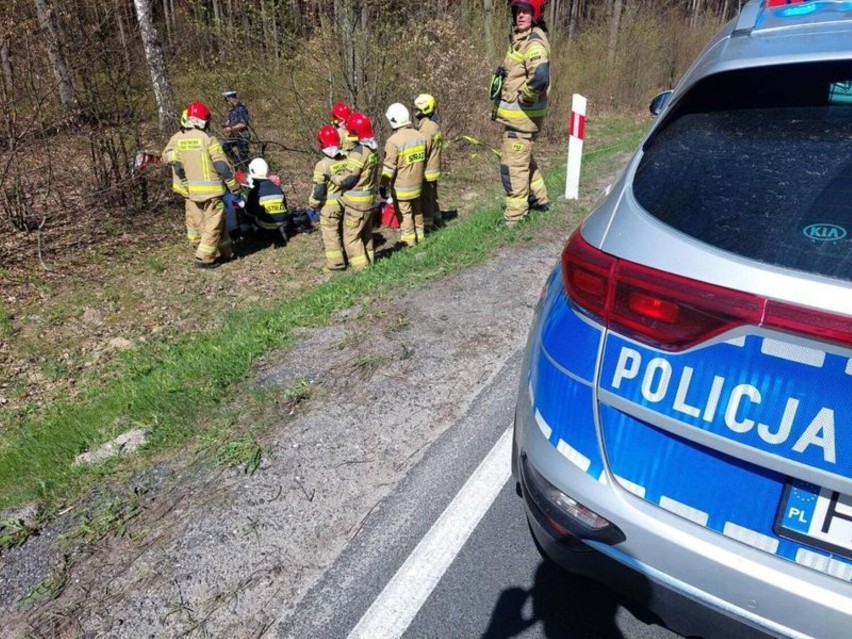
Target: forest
point(105, 79)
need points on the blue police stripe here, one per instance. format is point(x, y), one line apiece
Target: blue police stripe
point(815, 393)
point(725, 494)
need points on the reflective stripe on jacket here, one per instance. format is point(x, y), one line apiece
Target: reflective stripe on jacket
point(359, 181)
point(523, 101)
point(208, 170)
point(405, 163)
point(430, 130)
point(325, 193)
point(266, 204)
point(347, 142)
point(169, 156)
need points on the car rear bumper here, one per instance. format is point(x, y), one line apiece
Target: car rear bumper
point(696, 581)
point(677, 611)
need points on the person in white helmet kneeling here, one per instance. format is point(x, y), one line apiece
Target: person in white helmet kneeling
point(266, 205)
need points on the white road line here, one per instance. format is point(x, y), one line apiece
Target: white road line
point(404, 595)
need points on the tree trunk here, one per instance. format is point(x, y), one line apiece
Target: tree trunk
point(122, 36)
point(299, 23)
point(276, 38)
point(167, 20)
point(6, 65)
point(574, 12)
point(614, 24)
point(488, 5)
point(50, 32)
point(217, 30)
point(7, 86)
point(696, 8)
point(156, 66)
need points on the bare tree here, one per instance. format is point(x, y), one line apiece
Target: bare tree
point(488, 6)
point(6, 66)
point(168, 20)
point(50, 31)
point(156, 66)
point(122, 36)
point(615, 23)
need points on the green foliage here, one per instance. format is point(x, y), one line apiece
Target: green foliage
point(48, 589)
point(245, 452)
point(155, 264)
point(299, 391)
point(7, 326)
point(14, 532)
point(366, 365)
point(110, 518)
point(177, 388)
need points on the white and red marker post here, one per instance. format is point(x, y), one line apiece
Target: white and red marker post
point(576, 131)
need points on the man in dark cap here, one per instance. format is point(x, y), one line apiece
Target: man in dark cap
point(236, 130)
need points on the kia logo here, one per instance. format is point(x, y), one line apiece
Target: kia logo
point(825, 232)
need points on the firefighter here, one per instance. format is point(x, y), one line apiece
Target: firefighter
point(179, 185)
point(402, 171)
point(266, 204)
point(358, 184)
point(325, 197)
point(236, 128)
point(424, 112)
point(519, 89)
point(199, 157)
point(340, 113)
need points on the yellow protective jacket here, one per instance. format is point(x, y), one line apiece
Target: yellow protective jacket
point(358, 183)
point(347, 142)
point(206, 167)
point(168, 156)
point(325, 196)
point(405, 163)
point(523, 100)
point(430, 130)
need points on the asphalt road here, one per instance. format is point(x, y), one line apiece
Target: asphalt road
point(497, 586)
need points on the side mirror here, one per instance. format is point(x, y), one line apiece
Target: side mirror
point(659, 103)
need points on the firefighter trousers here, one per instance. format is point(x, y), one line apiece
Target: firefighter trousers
point(331, 228)
point(193, 222)
point(522, 181)
point(411, 227)
point(215, 240)
point(430, 206)
point(358, 237)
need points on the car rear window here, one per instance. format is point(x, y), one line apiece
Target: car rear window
point(759, 163)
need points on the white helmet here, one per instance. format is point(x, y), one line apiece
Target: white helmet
point(398, 115)
point(258, 168)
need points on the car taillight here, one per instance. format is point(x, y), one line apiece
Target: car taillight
point(587, 273)
point(672, 312)
point(804, 321)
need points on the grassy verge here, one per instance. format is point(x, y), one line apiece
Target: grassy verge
point(176, 390)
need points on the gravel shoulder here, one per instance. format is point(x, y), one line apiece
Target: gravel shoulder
point(193, 551)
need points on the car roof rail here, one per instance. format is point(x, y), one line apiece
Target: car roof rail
point(747, 20)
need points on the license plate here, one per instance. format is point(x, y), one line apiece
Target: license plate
point(817, 516)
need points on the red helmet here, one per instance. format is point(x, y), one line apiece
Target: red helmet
point(360, 125)
point(340, 112)
point(327, 137)
point(198, 110)
point(535, 6)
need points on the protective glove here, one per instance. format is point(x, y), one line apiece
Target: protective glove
point(313, 216)
point(389, 199)
point(239, 202)
point(383, 192)
point(526, 96)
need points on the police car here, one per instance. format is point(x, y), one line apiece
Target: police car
point(684, 425)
